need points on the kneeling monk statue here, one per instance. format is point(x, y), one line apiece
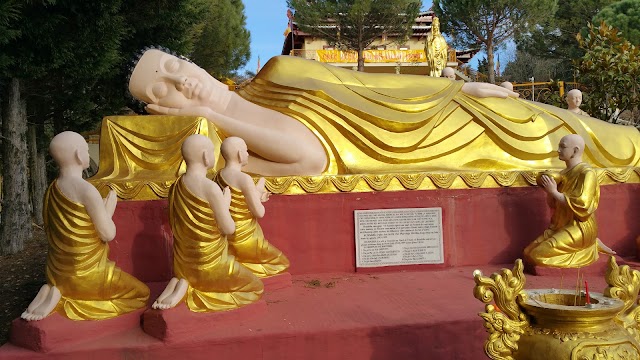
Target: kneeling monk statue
point(205, 274)
point(248, 244)
point(303, 117)
point(81, 281)
point(573, 194)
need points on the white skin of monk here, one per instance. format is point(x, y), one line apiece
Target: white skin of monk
point(570, 150)
point(198, 153)
point(236, 156)
point(71, 152)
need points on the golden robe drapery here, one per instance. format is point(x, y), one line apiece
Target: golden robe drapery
point(248, 243)
point(571, 239)
point(384, 123)
point(216, 280)
point(92, 287)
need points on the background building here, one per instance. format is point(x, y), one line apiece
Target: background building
point(385, 55)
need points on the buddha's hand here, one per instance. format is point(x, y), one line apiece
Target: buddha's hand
point(203, 111)
point(110, 203)
point(484, 90)
point(264, 194)
point(226, 196)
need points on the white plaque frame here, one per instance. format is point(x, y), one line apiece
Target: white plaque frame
point(403, 236)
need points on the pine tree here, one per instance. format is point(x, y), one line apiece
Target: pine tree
point(223, 46)
point(488, 24)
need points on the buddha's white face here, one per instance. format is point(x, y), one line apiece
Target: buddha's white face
point(166, 80)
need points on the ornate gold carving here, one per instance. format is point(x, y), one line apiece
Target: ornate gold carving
point(145, 189)
point(564, 336)
point(624, 284)
point(505, 322)
point(621, 350)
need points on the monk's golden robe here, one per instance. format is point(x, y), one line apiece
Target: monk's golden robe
point(92, 287)
point(571, 239)
point(248, 244)
point(383, 123)
point(217, 281)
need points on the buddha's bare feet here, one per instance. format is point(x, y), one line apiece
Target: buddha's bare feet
point(172, 299)
point(604, 248)
point(48, 300)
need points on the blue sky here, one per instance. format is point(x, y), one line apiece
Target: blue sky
point(267, 21)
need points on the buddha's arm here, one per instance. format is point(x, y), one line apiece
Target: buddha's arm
point(219, 203)
point(97, 210)
point(287, 145)
point(484, 90)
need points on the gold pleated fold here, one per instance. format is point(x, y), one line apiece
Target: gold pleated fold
point(248, 243)
point(216, 280)
point(92, 287)
point(386, 123)
point(571, 240)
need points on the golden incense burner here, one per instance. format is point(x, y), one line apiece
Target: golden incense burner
point(559, 324)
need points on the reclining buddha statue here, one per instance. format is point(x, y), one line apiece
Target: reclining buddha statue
point(303, 117)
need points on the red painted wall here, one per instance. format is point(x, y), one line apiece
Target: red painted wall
point(481, 226)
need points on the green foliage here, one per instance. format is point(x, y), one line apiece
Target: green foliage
point(488, 24)
point(552, 96)
point(223, 46)
point(64, 48)
point(9, 14)
point(525, 65)
point(483, 66)
point(355, 24)
point(625, 16)
point(609, 70)
point(555, 36)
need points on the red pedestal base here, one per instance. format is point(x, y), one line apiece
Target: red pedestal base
point(181, 323)
point(328, 311)
point(316, 232)
point(56, 330)
point(277, 282)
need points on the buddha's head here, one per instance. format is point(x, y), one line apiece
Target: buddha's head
point(574, 99)
point(448, 73)
point(70, 149)
point(167, 80)
point(234, 149)
point(198, 149)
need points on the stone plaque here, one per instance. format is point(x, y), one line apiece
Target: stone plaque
point(398, 237)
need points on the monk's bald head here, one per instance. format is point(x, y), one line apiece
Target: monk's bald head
point(449, 73)
point(574, 92)
point(64, 146)
point(230, 147)
point(194, 148)
point(574, 140)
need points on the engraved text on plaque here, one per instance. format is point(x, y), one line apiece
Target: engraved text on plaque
point(398, 237)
